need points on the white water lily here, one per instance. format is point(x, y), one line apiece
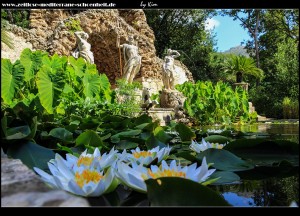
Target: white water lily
point(87, 180)
point(195, 146)
point(135, 175)
point(145, 157)
point(91, 160)
point(216, 131)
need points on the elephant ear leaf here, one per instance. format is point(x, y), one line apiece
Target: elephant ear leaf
point(91, 83)
point(45, 87)
point(11, 79)
point(31, 62)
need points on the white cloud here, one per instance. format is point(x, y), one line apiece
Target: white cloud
point(211, 23)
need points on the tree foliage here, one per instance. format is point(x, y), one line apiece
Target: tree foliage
point(17, 17)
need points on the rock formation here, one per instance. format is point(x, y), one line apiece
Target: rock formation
point(21, 187)
point(51, 30)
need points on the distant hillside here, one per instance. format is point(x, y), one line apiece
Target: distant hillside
point(238, 50)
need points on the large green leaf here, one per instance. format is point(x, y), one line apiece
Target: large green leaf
point(33, 128)
point(224, 177)
point(104, 82)
point(161, 135)
point(185, 133)
point(90, 138)
point(28, 64)
point(20, 132)
point(265, 152)
point(62, 134)
point(217, 139)
point(46, 89)
point(130, 133)
point(224, 160)
point(91, 84)
point(78, 66)
point(31, 154)
point(125, 144)
point(175, 191)
point(55, 63)
point(4, 126)
point(142, 119)
point(31, 62)
point(153, 142)
point(11, 79)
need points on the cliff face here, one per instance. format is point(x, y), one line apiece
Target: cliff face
point(50, 31)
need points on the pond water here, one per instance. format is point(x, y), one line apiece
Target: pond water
point(258, 188)
point(269, 191)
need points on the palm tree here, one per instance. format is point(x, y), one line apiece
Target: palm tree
point(241, 65)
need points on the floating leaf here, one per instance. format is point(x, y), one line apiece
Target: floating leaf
point(125, 144)
point(224, 160)
point(116, 138)
point(224, 177)
point(142, 119)
point(217, 139)
point(161, 135)
point(264, 152)
point(31, 154)
point(89, 138)
point(62, 134)
point(174, 191)
point(20, 132)
point(153, 142)
point(185, 133)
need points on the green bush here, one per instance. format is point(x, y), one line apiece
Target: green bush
point(209, 104)
point(73, 25)
point(126, 101)
point(290, 108)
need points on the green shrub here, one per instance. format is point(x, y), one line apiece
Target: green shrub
point(290, 108)
point(219, 103)
point(73, 25)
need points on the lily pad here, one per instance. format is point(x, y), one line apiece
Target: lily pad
point(224, 160)
point(130, 133)
point(89, 138)
point(175, 191)
point(153, 142)
point(264, 152)
point(161, 135)
point(125, 144)
point(20, 132)
point(62, 134)
point(217, 139)
point(224, 177)
point(185, 133)
point(31, 154)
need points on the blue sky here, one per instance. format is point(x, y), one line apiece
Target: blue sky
point(229, 33)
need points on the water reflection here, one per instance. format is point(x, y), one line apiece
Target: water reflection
point(268, 192)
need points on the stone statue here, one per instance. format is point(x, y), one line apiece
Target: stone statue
point(84, 48)
point(169, 69)
point(132, 58)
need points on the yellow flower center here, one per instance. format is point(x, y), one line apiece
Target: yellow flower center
point(85, 160)
point(86, 176)
point(217, 145)
point(142, 154)
point(166, 173)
